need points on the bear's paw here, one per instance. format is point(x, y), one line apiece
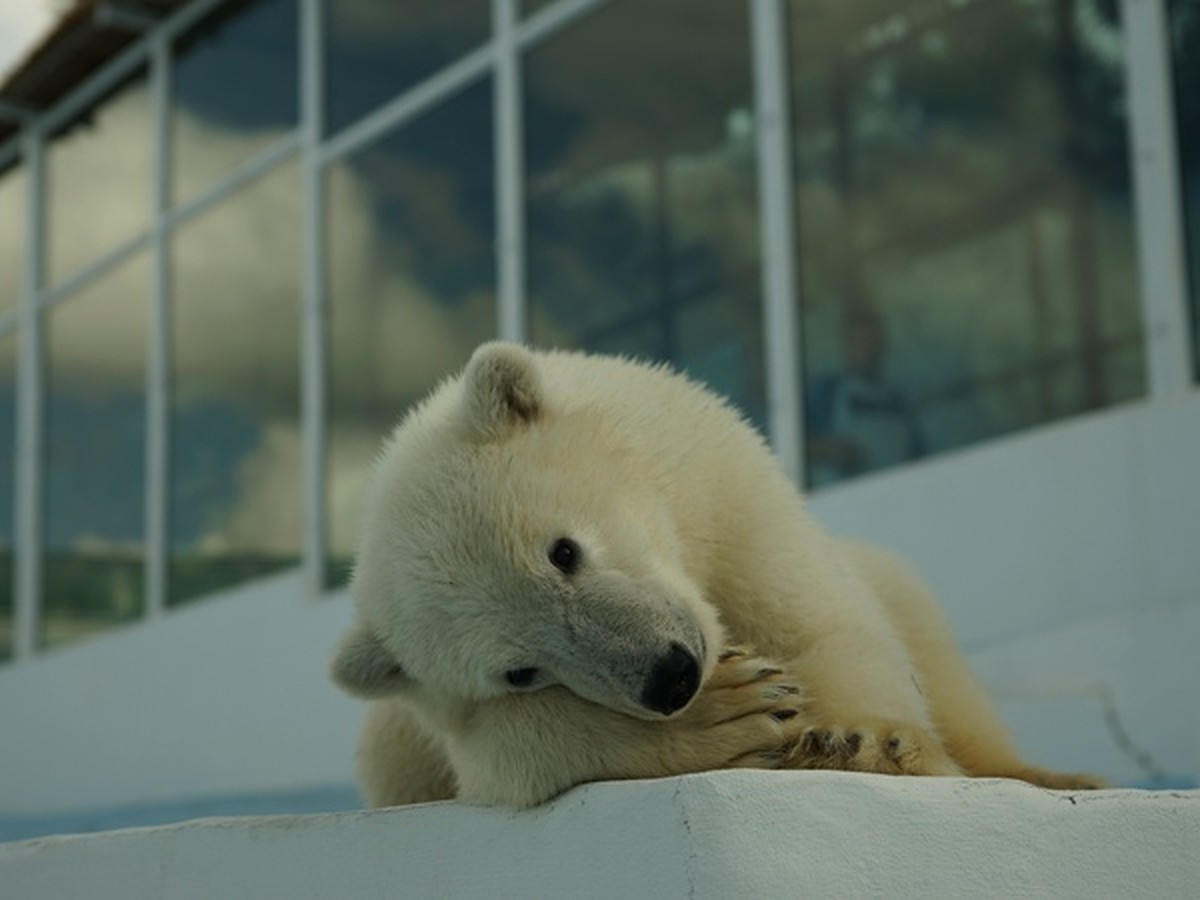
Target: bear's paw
point(873, 745)
point(748, 714)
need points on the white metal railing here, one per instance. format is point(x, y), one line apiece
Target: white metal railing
point(1155, 172)
point(313, 280)
point(510, 172)
point(1152, 140)
point(498, 56)
point(768, 29)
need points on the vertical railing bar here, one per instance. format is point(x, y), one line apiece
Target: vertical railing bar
point(509, 163)
point(1157, 198)
point(313, 312)
point(781, 331)
point(30, 399)
point(158, 355)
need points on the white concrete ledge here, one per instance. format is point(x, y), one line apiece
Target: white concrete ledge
point(718, 835)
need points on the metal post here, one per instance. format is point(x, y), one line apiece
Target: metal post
point(509, 172)
point(1157, 195)
point(158, 356)
point(30, 397)
point(313, 327)
point(775, 191)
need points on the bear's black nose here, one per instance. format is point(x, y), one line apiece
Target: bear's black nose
point(673, 681)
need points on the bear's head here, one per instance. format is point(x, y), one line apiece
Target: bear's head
point(510, 543)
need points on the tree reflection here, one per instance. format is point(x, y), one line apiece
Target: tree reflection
point(962, 167)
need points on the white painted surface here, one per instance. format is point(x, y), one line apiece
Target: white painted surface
point(1068, 558)
point(1071, 522)
point(722, 835)
point(229, 695)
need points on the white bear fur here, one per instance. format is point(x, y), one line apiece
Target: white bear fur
point(691, 535)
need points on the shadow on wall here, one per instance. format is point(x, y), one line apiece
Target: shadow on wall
point(314, 800)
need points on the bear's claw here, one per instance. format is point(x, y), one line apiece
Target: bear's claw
point(881, 746)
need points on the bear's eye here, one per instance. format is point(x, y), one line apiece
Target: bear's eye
point(565, 554)
point(521, 678)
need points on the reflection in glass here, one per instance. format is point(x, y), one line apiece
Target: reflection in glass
point(412, 285)
point(94, 456)
point(12, 243)
point(377, 49)
point(642, 199)
point(8, 499)
point(965, 234)
point(97, 189)
point(235, 434)
point(235, 90)
point(1185, 39)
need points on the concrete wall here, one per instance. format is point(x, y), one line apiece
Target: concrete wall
point(227, 696)
point(718, 835)
point(1069, 559)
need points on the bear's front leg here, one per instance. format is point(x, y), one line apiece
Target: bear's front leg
point(869, 716)
point(525, 749)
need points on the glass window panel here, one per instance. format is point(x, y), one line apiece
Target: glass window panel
point(98, 191)
point(642, 196)
point(235, 90)
point(376, 49)
point(1185, 39)
point(966, 244)
point(94, 456)
point(8, 421)
point(235, 495)
point(412, 284)
point(12, 237)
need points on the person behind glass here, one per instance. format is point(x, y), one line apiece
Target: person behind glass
point(857, 421)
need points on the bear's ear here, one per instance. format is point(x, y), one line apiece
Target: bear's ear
point(501, 390)
point(362, 666)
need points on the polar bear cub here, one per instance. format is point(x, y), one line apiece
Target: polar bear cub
point(560, 556)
